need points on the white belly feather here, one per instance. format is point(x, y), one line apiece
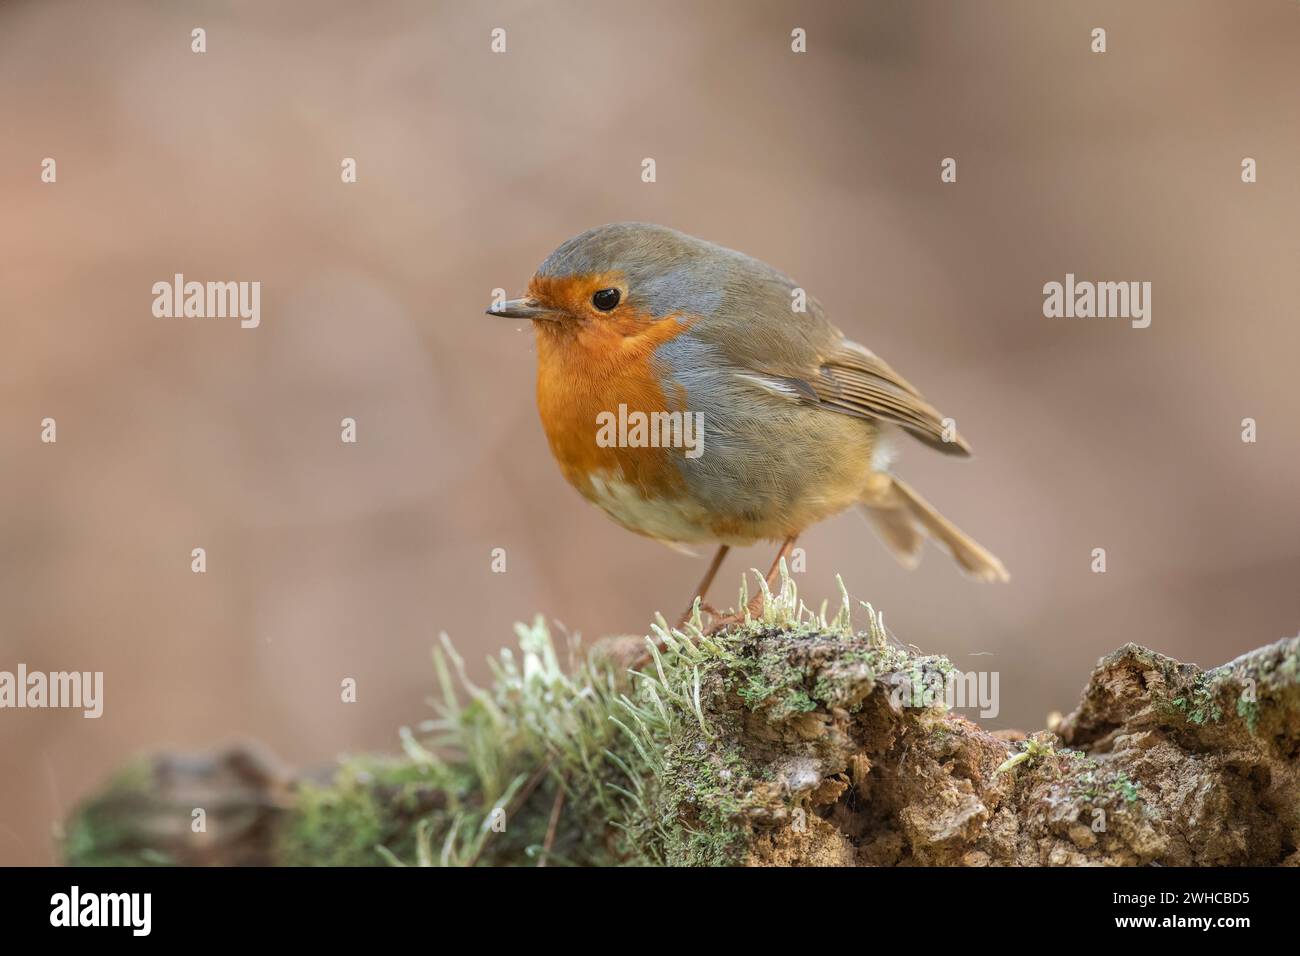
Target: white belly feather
point(671, 520)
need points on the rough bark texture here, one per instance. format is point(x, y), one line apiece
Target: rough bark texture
point(776, 743)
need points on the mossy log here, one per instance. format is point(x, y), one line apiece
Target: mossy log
point(789, 740)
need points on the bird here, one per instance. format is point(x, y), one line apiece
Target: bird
point(698, 396)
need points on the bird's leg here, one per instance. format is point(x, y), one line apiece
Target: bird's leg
point(700, 591)
point(787, 547)
point(703, 588)
point(773, 575)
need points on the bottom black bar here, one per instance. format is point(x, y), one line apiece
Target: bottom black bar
point(332, 906)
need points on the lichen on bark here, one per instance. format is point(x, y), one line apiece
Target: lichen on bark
point(787, 740)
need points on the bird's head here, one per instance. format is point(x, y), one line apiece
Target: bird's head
point(626, 274)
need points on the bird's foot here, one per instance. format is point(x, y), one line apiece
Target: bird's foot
point(720, 621)
point(689, 614)
point(753, 608)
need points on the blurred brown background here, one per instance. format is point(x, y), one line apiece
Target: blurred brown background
point(328, 560)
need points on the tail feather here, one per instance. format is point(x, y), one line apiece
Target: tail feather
point(902, 518)
point(895, 527)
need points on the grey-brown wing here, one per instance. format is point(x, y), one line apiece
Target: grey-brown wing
point(804, 357)
point(856, 381)
point(852, 380)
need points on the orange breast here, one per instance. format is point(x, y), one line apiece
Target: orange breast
point(588, 368)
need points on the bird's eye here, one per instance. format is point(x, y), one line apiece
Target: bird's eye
point(605, 299)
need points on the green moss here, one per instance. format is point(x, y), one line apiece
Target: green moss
point(771, 681)
point(799, 702)
point(1248, 710)
point(1261, 688)
point(367, 813)
point(1126, 788)
point(1099, 786)
point(703, 789)
point(756, 690)
point(108, 831)
point(1032, 750)
point(1200, 705)
point(341, 824)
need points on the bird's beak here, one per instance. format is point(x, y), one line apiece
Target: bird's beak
point(526, 308)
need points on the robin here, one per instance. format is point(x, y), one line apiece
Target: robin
point(697, 395)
